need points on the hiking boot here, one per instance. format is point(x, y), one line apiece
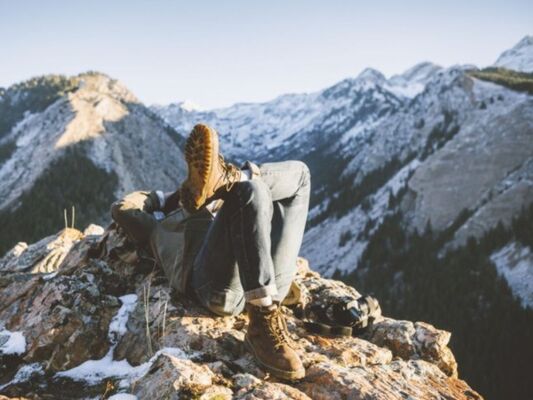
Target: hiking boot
point(209, 175)
point(269, 341)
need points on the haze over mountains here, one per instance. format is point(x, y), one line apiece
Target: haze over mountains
point(418, 161)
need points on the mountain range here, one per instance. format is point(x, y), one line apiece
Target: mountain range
point(433, 158)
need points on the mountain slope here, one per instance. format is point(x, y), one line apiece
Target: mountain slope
point(519, 57)
point(121, 145)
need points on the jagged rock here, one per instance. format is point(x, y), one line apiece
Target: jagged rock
point(412, 341)
point(170, 375)
point(397, 380)
point(160, 346)
point(404, 339)
point(94, 229)
point(64, 319)
point(271, 391)
point(64, 315)
point(45, 256)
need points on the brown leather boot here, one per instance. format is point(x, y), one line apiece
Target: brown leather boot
point(270, 343)
point(209, 175)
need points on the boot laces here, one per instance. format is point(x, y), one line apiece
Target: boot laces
point(231, 172)
point(278, 329)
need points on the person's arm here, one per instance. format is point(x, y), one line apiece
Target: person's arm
point(171, 202)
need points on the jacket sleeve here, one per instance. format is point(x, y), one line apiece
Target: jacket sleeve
point(133, 213)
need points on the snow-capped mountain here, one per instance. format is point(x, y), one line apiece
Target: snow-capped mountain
point(445, 143)
point(87, 138)
point(518, 58)
point(273, 129)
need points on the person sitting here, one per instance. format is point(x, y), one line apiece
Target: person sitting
point(230, 238)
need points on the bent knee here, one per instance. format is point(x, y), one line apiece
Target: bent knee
point(306, 172)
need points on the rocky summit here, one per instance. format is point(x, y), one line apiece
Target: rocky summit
point(87, 316)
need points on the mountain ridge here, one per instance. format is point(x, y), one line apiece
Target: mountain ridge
point(108, 126)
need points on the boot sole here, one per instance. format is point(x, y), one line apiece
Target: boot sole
point(201, 150)
point(279, 373)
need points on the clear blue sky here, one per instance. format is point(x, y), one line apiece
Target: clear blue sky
point(220, 52)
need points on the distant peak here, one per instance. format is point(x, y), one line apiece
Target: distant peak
point(189, 105)
point(371, 74)
point(525, 41)
point(421, 71)
point(519, 57)
point(186, 105)
point(94, 75)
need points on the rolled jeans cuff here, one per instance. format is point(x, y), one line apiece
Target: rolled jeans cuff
point(260, 292)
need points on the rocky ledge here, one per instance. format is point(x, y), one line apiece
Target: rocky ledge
point(85, 316)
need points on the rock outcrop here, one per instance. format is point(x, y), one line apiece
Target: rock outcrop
point(81, 317)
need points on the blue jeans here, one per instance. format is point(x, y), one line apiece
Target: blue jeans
point(251, 247)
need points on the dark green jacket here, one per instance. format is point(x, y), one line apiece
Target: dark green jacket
point(174, 240)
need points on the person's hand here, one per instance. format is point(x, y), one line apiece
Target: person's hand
point(172, 202)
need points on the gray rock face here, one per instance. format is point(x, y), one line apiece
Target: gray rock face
point(473, 170)
point(514, 261)
point(99, 323)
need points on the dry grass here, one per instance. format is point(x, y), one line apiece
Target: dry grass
point(519, 81)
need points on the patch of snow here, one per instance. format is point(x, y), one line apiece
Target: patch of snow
point(93, 371)
point(514, 262)
point(12, 342)
point(371, 75)
point(413, 81)
point(25, 373)
point(117, 327)
point(50, 275)
point(28, 131)
point(94, 230)
point(122, 396)
point(407, 90)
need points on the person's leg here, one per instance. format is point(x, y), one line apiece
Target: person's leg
point(234, 263)
point(252, 245)
point(290, 184)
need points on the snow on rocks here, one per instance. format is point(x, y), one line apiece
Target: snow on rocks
point(25, 373)
point(122, 396)
point(12, 342)
point(514, 261)
point(95, 370)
